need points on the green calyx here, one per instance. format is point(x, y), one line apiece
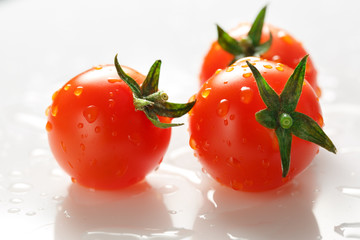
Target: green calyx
point(249, 45)
point(150, 100)
point(280, 114)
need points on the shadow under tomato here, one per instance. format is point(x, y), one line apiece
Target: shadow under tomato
point(132, 213)
point(282, 214)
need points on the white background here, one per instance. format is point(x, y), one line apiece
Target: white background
point(44, 43)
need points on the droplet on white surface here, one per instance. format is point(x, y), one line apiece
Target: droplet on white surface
point(58, 198)
point(350, 191)
point(19, 187)
point(14, 210)
point(348, 230)
point(16, 200)
point(168, 189)
point(30, 213)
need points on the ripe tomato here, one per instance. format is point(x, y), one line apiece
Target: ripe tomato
point(233, 147)
point(284, 49)
point(96, 134)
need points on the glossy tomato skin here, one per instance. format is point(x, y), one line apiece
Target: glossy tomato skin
point(230, 144)
point(284, 49)
point(96, 135)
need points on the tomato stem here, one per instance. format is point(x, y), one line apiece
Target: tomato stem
point(152, 102)
point(289, 121)
point(249, 45)
point(285, 121)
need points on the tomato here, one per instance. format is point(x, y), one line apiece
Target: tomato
point(96, 134)
point(284, 49)
point(232, 146)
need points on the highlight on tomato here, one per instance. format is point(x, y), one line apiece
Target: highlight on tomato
point(256, 39)
point(109, 126)
point(257, 124)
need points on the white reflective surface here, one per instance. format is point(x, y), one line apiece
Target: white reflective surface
point(45, 43)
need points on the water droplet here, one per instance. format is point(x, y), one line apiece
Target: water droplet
point(246, 95)
point(247, 75)
point(348, 230)
point(279, 68)
point(54, 110)
point(285, 37)
point(47, 111)
point(30, 213)
point(54, 95)
point(16, 200)
point(114, 133)
point(267, 66)
point(205, 93)
point(98, 67)
point(229, 69)
point(218, 71)
point(20, 188)
point(80, 125)
point(67, 86)
point(97, 129)
point(321, 120)
point(48, 126)
point(168, 189)
point(91, 113)
point(236, 185)
point(58, 198)
point(114, 80)
point(111, 103)
point(14, 210)
point(63, 147)
point(82, 147)
point(350, 191)
point(233, 162)
point(226, 122)
point(193, 143)
point(73, 180)
point(70, 165)
point(78, 91)
point(223, 108)
point(232, 117)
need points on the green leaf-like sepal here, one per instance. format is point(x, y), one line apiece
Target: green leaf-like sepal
point(306, 128)
point(248, 45)
point(151, 82)
point(280, 114)
point(284, 138)
point(267, 118)
point(152, 102)
point(229, 43)
point(173, 110)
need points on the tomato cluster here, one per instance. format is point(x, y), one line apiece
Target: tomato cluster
point(254, 124)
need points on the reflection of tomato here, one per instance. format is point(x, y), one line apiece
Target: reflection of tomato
point(231, 145)
point(98, 137)
point(284, 49)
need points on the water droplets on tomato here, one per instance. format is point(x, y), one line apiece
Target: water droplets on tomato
point(193, 143)
point(246, 94)
point(63, 147)
point(114, 80)
point(54, 110)
point(80, 125)
point(205, 93)
point(78, 91)
point(67, 87)
point(48, 126)
point(223, 108)
point(98, 67)
point(97, 129)
point(247, 75)
point(82, 147)
point(135, 138)
point(91, 113)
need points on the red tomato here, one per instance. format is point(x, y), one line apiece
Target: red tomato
point(230, 144)
point(98, 137)
point(284, 49)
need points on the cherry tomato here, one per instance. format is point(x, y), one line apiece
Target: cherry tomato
point(283, 49)
point(232, 146)
point(96, 134)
